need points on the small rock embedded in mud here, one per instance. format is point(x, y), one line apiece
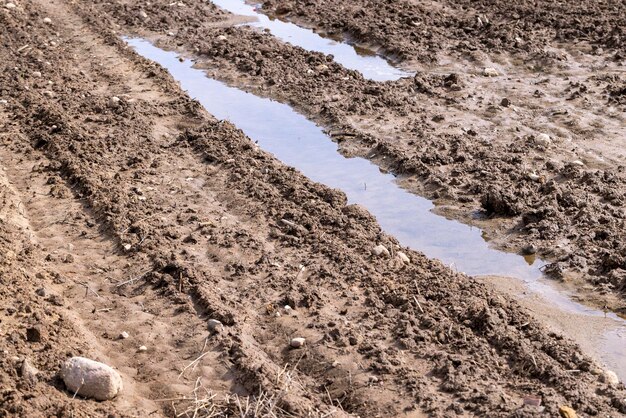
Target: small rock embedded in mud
point(10, 6)
point(36, 74)
point(41, 292)
point(610, 377)
point(490, 72)
point(297, 342)
point(47, 20)
point(214, 325)
point(34, 334)
point(221, 38)
point(143, 14)
point(543, 139)
point(127, 247)
point(505, 102)
point(114, 101)
point(142, 348)
point(567, 412)
point(529, 250)
point(578, 163)
point(91, 379)
point(405, 258)
point(124, 335)
point(380, 250)
point(288, 309)
point(28, 371)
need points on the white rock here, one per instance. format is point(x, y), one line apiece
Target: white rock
point(143, 14)
point(28, 371)
point(297, 342)
point(3, 102)
point(124, 335)
point(405, 258)
point(47, 20)
point(543, 140)
point(578, 163)
point(127, 247)
point(91, 379)
point(10, 6)
point(380, 250)
point(222, 38)
point(142, 348)
point(610, 377)
point(490, 72)
point(214, 325)
point(114, 101)
point(36, 74)
point(288, 310)
point(534, 177)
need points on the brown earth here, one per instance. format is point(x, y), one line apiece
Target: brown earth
point(144, 214)
point(471, 143)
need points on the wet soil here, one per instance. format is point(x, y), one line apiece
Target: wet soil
point(475, 144)
point(135, 210)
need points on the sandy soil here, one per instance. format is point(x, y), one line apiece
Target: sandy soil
point(126, 207)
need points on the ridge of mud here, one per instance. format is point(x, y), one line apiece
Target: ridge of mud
point(573, 215)
point(423, 30)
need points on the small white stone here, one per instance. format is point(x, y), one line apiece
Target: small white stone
point(143, 14)
point(288, 309)
point(578, 163)
point(490, 72)
point(47, 20)
point(3, 102)
point(405, 258)
point(214, 325)
point(534, 177)
point(142, 348)
point(114, 101)
point(297, 342)
point(91, 379)
point(221, 38)
point(124, 335)
point(380, 250)
point(610, 377)
point(543, 140)
point(28, 371)
point(36, 74)
point(127, 247)
point(10, 6)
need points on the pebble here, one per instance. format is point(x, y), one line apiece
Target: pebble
point(534, 177)
point(10, 6)
point(3, 102)
point(490, 72)
point(28, 371)
point(36, 74)
point(124, 335)
point(127, 247)
point(567, 412)
point(529, 249)
point(543, 140)
point(222, 38)
point(610, 377)
point(505, 102)
point(114, 101)
point(41, 292)
point(380, 250)
point(288, 310)
point(578, 163)
point(297, 342)
point(405, 258)
point(91, 379)
point(143, 14)
point(214, 325)
point(47, 20)
point(48, 93)
point(142, 348)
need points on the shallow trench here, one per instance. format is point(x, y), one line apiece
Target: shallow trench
point(298, 142)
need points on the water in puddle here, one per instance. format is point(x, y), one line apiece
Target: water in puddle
point(300, 143)
point(365, 61)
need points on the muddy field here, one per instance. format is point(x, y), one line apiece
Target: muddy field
point(131, 217)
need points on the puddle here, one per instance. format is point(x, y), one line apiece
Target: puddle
point(300, 143)
point(360, 59)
